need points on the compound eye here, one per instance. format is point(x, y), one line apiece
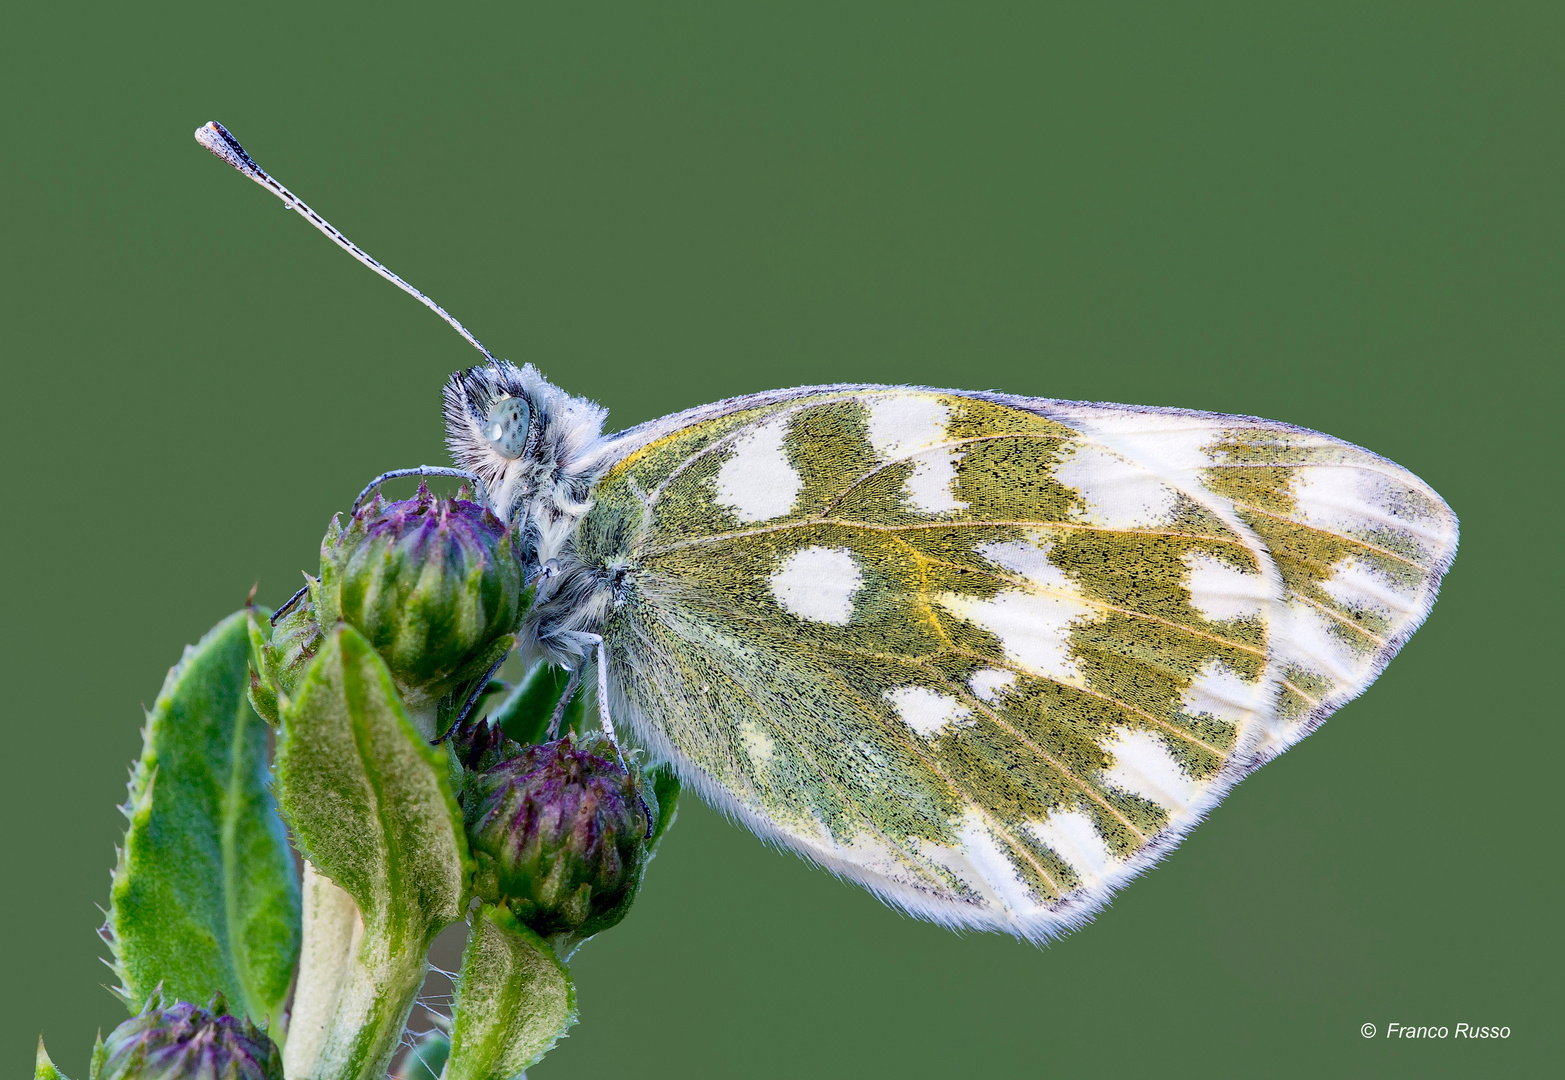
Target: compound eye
point(505, 428)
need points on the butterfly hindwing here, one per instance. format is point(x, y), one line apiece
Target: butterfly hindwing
point(992, 656)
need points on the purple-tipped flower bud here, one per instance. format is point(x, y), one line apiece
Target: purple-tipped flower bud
point(187, 1042)
point(433, 583)
point(559, 834)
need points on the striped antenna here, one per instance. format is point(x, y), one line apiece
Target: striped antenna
point(215, 137)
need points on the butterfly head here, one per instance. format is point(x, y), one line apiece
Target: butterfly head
point(531, 443)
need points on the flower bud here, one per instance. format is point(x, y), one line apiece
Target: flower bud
point(280, 653)
point(187, 1042)
point(559, 834)
point(434, 584)
point(296, 637)
point(480, 744)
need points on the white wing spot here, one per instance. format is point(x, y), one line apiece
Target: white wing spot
point(929, 484)
point(1361, 585)
point(988, 684)
point(1071, 835)
point(1220, 592)
point(818, 583)
point(926, 711)
point(902, 425)
point(1302, 635)
point(757, 482)
point(996, 875)
point(1030, 560)
point(1340, 500)
point(1217, 691)
point(1118, 492)
point(870, 850)
point(757, 743)
point(1034, 630)
point(1143, 766)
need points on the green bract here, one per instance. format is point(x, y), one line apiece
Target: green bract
point(480, 745)
point(434, 584)
point(514, 1000)
point(371, 808)
point(560, 835)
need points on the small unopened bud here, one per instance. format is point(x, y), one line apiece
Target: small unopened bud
point(560, 835)
point(296, 638)
point(434, 584)
point(187, 1042)
point(280, 653)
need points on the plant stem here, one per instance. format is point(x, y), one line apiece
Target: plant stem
point(357, 985)
point(332, 929)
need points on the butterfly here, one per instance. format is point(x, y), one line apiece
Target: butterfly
point(989, 656)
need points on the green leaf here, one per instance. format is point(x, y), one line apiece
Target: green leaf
point(205, 899)
point(665, 786)
point(524, 714)
point(44, 1069)
point(514, 1000)
point(368, 801)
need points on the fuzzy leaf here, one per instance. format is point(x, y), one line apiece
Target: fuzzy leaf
point(366, 795)
point(205, 898)
point(514, 1000)
point(368, 801)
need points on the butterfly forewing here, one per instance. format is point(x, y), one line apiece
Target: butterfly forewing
point(991, 656)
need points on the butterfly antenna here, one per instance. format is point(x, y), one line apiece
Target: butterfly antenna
point(216, 138)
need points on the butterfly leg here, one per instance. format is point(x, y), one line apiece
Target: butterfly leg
point(608, 724)
point(603, 694)
point(472, 700)
point(596, 640)
point(422, 470)
point(288, 606)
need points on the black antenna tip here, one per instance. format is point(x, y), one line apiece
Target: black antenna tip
point(216, 138)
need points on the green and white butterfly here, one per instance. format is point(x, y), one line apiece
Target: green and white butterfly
point(988, 656)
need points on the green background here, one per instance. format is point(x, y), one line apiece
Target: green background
point(1346, 216)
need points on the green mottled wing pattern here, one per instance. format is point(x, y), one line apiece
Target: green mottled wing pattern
point(992, 656)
